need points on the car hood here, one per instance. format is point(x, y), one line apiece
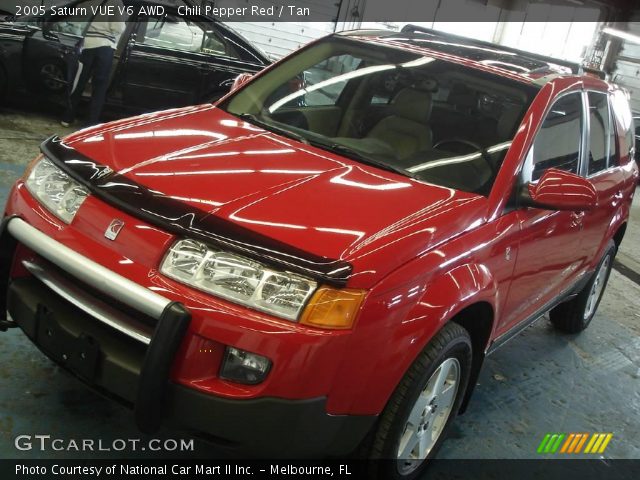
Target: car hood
point(281, 189)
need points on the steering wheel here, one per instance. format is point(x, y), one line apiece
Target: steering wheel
point(483, 152)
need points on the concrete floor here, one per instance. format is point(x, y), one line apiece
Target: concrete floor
point(542, 381)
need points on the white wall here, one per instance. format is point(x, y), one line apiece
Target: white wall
point(627, 67)
point(277, 39)
point(567, 40)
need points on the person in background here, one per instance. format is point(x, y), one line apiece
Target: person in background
point(99, 44)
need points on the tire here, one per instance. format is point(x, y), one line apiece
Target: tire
point(448, 353)
point(576, 314)
point(51, 77)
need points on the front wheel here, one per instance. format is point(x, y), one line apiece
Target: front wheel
point(51, 77)
point(576, 314)
point(418, 415)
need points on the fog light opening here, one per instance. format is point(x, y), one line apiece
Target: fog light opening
point(244, 367)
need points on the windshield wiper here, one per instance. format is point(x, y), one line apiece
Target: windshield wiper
point(331, 146)
point(356, 155)
point(254, 119)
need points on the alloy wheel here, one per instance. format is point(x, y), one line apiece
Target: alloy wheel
point(429, 415)
point(597, 288)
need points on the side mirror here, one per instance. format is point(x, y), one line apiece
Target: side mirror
point(48, 31)
point(241, 80)
point(560, 190)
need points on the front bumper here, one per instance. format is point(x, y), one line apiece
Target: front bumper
point(130, 359)
point(172, 319)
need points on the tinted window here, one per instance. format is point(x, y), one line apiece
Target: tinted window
point(624, 120)
point(177, 34)
point(598, 132)
point(69, 27)
point(72, 25)
point(76, 24)
point(614, 157)
point(557, 143)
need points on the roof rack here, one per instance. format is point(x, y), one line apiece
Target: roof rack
point(593, 71)
point(573, 66)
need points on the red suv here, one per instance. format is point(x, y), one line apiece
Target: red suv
point(303, 271)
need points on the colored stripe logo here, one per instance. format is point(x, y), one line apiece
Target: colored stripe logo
point(574, 443)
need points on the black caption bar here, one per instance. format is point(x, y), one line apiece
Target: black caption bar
point(548, 469)
point(347, 12)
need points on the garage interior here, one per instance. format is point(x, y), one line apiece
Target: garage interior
point(541, 381)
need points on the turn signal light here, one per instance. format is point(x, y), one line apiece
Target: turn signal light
point(333, 308)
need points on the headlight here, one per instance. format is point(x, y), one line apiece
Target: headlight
point(56, 190)
point(238, 279)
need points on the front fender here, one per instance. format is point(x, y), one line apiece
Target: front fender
point(455, 290)
point(621, 216)
point(396, 326)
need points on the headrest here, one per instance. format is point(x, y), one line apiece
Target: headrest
point(413, 104)
point(462, 97)
point(507, 122)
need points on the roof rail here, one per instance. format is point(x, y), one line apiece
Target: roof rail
point(573, 66)
point(593, 71)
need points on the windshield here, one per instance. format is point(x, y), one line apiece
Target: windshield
point(25, 20)
point(427, 118)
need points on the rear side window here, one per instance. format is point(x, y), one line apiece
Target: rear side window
point(614, 157)
point(557, 144)
point(177, 33)
point(624, 120)
point(599, 129)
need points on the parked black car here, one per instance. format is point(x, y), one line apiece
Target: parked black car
point(161, 61)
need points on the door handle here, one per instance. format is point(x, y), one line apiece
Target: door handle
point(576, 219)
point(617, 198)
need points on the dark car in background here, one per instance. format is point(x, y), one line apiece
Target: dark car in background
point(162, 61)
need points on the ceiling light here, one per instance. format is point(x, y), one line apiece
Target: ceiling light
point(620, 34)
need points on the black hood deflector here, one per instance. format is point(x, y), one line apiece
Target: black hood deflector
point(181, 219)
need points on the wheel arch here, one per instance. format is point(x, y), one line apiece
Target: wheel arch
point(466, 294)
point(478, 320)
point(619, 234)
point(615, 231)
